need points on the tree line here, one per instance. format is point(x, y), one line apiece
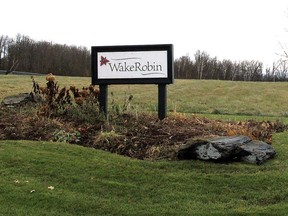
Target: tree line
point(203, 66)
point(25, 54)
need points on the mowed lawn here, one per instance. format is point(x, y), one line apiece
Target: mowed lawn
point(91, 182)
point(186, 96)
point(46, 178)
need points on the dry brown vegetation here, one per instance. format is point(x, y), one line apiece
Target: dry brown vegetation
point(73, 115)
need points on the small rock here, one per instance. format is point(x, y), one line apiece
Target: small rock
point(16, 99)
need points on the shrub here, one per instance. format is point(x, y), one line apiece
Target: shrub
point(67, 137)
point(69, 102)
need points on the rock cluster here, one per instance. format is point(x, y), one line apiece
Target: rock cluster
point(227, 149)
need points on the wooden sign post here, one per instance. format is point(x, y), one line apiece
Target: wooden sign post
point(134, 64)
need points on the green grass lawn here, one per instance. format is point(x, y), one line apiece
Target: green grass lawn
point(92, 182)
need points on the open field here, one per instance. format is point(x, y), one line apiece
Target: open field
point(188, 96)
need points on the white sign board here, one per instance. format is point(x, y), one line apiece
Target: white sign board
point(134, 64)
point(131, 65)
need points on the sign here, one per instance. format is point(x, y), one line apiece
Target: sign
point(142, 64)
point(135, 64)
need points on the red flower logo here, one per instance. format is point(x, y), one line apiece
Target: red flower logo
point(103, 61)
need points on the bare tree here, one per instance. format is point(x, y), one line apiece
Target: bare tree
point(201, 58)
point(4, 42)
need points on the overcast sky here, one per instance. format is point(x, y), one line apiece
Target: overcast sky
point(231, 29)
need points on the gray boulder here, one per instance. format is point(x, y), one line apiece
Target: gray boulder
point(16, 99)
point(226, 149)
point(256, 152)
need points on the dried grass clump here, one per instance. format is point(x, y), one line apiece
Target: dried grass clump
point(54, 100)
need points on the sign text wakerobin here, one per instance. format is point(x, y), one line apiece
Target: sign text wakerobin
point(137, 66)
